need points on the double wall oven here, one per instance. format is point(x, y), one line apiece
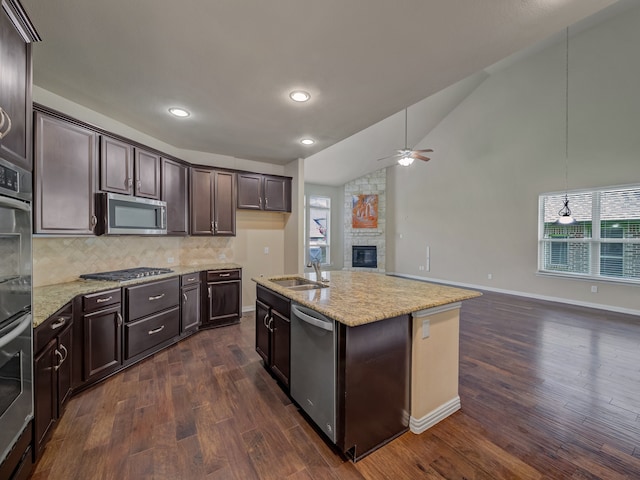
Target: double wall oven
point(16, 354)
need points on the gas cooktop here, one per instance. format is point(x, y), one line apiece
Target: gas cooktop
point(126, 274)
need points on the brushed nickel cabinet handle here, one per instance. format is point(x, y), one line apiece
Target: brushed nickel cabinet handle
point(269, 326)
point(60, 359)
point(56, 325)
point(224, 274)
point(94, 221)
point(102, 300)
point(129, 182)
point(264, 320)
point(157, 330)
point(157, 297)
point(119, 318)
point(209, 292)
point(66, 353)
point(213, 228)
point(191, 279)
point(184, 296)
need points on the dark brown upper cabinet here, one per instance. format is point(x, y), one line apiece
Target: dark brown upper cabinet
point(129, 171)
point(213, 202)
point(147, 172)
point(16, 36)
point(175, 191)
point(264, 192)
point(116, 166)
point(65, 169)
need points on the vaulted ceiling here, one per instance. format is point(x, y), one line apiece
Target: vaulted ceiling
point(232, 63)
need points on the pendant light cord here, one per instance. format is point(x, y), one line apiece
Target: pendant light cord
point(566, 119)
point(405, 129)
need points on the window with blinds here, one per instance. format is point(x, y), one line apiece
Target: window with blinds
point(604, 241)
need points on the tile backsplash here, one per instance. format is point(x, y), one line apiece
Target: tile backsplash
point(61, 260)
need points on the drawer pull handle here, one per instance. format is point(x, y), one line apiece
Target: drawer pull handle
point(157, 330)
point(61, 321)
point(224, 274)
point(157, 297)
point(191, 279)
point(102, 300)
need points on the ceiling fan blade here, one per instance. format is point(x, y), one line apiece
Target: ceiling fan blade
point(387, 157)
point(423, 151)
point(420, 157)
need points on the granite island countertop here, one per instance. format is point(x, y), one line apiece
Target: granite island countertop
point(48, 299)
point(357, 298)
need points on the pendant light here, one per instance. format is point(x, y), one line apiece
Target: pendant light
point(564, 214)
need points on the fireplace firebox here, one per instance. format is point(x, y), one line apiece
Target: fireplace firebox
point(364, 256)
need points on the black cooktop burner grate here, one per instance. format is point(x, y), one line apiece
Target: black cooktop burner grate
point(126, 274)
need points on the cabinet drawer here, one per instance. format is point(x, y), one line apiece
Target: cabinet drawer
point(96, 301)
point(190, 278)
point(275, 301)
point(151, 331)
point(143, 300)
point(51, 327)
point(223, 275)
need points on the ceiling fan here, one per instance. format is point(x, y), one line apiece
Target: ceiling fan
point(406, 156)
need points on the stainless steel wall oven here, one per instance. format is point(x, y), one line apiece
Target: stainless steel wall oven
point(16, 332)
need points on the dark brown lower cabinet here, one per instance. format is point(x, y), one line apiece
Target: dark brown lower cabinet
point(102, 342)
point(224, 298)
point(53, 360)
point(190, 315)
point(273, 329)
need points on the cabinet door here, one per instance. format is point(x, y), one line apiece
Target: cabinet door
point(15, 87)
point(250, 191)
point(277, 194)
point(65, 173)
point(175, 191)
point(224, 204)
point(201, 201)
point(45, 393)
point(65, 363)
point(102, 342)
point(224, 303)
point(147, 168)
point(280, 343)
point(190, 308)
point(262, 331)
point(116, 166)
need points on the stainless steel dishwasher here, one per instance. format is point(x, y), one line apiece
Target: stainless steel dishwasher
point(312, 379)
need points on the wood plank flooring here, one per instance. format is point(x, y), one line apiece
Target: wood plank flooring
point(547, 390)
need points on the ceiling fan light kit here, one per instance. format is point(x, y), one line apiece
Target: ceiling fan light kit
point(406, 156)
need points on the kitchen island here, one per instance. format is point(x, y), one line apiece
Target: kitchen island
point(396, 350)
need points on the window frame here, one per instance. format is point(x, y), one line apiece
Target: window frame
point(307, 219)
point(595, 241)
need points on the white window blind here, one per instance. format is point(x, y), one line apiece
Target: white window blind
point(318, 225)
point(604, 242)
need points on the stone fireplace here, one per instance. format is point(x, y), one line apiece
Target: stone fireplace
point(372, 239)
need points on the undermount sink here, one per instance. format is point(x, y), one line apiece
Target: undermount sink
point(298, 283)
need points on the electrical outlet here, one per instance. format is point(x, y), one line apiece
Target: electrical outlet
point(425, 329)
point(170, 260)
point(266, 250)
point(489, 276)
point(594, 289)
point(421, 268)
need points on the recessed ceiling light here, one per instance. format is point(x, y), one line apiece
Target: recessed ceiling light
point(179, 112)
point(299, 96)
point(307, 141)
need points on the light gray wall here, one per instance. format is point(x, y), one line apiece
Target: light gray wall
point(475, 203)
point(336, 194)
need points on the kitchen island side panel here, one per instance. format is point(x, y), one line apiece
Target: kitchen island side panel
point(373, 384)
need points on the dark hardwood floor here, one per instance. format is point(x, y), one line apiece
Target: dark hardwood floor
point(547, 391)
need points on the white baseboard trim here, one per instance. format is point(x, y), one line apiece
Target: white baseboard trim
point(250, 308)
point(610, 308)
point(419, 425)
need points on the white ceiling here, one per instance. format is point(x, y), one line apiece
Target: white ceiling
point(232, 63)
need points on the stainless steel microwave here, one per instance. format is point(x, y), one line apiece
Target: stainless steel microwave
point(128, 215)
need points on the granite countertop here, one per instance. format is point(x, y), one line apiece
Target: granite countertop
point(48, 299)
point(357, 298)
